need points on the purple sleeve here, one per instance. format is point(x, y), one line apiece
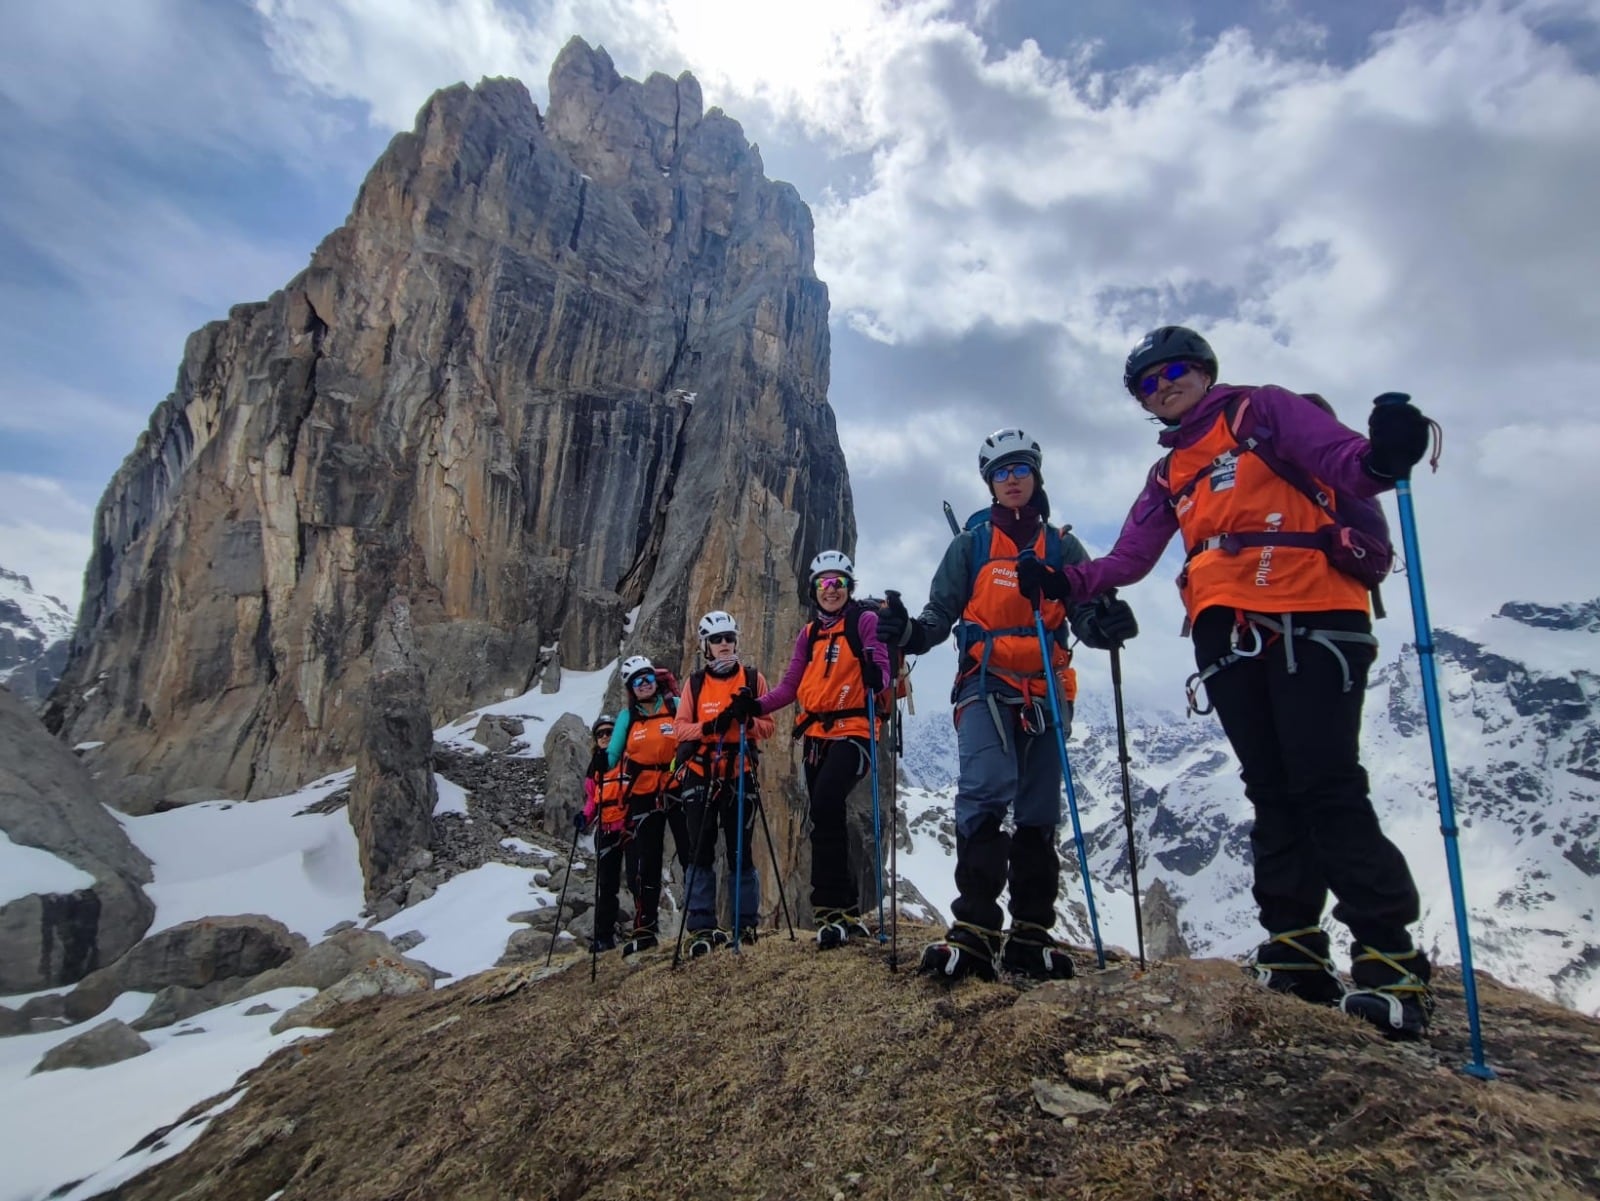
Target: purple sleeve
point(784, 693)
point(1149, 527)
point(867, 625)
point(1316, 442)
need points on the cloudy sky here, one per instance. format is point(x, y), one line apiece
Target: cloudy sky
point(1346, 196)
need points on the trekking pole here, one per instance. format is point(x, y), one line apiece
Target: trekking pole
point(950, 516)
point(1066, 777)
point(1441, 765)
point(738, 845)
point(562, 899)
point(895, 749)
point(772, 853)
point(877, 813)
point(1127, 795)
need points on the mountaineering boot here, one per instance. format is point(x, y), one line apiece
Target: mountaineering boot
point(1296, 962)
point(835, 927)
point(599, 945)
point(1031, 951)
point(965, 951)
point(703, 942)
point(642, 940)
point(748, 934)
point(1391, 991)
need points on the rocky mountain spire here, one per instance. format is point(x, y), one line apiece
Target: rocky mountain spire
point(553, 367)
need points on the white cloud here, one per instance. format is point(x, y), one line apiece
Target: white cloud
point(45, 534)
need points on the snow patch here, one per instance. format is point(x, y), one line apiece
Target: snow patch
point(26, 870)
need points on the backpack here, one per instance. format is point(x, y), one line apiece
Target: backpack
point(1357, 542)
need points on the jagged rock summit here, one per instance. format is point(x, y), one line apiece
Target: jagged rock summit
point(554, 367)
point(781, 1072)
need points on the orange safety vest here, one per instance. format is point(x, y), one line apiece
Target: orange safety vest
point(1241, 494)
point(651, 747)
point(706, 696)
point(997, 632)
point(831, 701)
point(613, 799)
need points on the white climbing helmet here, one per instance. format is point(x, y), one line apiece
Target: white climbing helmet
point(633, 665)
point(832, 561)
point(1008, 446)
point(716, 622)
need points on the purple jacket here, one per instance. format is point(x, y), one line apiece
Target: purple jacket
point(1301, 434)
point(784, 693)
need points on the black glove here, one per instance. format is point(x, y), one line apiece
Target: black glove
point(1115, 618)
point(894, 623)
point(578, 821)
point(1399, 434)
point(718, 724)
point(1036, 580)
point(744, 706)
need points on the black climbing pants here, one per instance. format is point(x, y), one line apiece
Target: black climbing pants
point(1297, 736)
point(833, 766)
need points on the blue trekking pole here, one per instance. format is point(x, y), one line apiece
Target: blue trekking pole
point(1441, 766)
point(877, 820)
point(738, 846)
point(1066, 776)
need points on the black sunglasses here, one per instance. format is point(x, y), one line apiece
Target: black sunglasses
point(715, 639)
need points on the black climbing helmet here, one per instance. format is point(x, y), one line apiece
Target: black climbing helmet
point(1169, 344)
point(604, 722)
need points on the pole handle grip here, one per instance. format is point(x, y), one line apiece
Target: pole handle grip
point(1391, 398)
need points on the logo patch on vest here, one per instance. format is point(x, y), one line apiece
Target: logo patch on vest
point(1264, 563)
point(1223, 470)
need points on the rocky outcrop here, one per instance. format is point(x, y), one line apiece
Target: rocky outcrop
point(393, 795)
point(567, 749)
point(1163, 929)
point(49, 802)
point(554, 367)
point(190, 955)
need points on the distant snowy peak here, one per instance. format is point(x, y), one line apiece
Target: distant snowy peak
point(34, 632)
point(1584, 615)
point(20, 605)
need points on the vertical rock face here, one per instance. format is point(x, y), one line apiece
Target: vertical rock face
point(394, 793)
point(553, 367)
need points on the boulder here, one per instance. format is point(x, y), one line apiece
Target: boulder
point(174, 1003)
point(50, 803)
point(382, 977)
point(497, 733)
point(190, 955)
point(109, 1042)
point(328, 962)
point(567, 750)
point(593, 629)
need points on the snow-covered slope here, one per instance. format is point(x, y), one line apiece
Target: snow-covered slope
point(1520, 692)
point(34, 631)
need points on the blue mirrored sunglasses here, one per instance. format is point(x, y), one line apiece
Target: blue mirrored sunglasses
point(644, 677)
point(1167, 371)
point(1019, 471)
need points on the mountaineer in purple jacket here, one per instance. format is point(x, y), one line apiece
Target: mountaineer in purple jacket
point(838, 659)
point(1263, 484)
